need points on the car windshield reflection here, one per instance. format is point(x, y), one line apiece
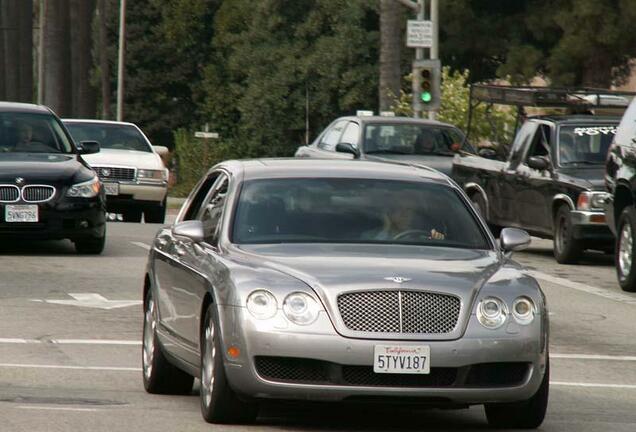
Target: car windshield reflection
point(32, 133)
point(585, 144)
point(413, 139)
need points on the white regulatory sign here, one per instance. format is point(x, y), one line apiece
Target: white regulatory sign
point(419, 34)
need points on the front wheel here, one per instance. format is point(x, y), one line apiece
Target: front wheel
point(624, 257)
point(528, 414)
point(156, 213)
point(567, 249)
point(219, 403)
point(90, 245)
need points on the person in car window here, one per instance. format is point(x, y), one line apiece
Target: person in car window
point(400, 223)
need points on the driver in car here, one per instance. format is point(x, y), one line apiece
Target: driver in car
point(400, 222)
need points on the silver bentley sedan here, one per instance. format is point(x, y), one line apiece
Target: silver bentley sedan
point(322, 280)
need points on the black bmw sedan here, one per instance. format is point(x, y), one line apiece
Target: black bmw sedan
point(47, 191)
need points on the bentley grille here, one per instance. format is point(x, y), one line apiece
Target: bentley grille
point(399, 311)
point(9, 193)
point(37, 193)
point(115, 173)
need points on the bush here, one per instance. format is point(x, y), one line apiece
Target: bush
point(496, 127)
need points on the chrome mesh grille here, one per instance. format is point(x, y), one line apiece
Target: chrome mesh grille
point(115, 173)
point(399, 311)
point(9, 193)
point(37, 193)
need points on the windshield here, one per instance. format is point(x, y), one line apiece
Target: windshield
point(32, 133)
point(585, 145)
point(354, 211)
point(110, 136)
point(412, 139)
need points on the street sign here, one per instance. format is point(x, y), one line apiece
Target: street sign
point(207, 135)
point(419, 34)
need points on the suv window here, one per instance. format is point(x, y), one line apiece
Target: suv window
point(351, 134)
point(627, 128)
point(330, 138)
point(521, 142)
point(540, 143)
point(210, 214)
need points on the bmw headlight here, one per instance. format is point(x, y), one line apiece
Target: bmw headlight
point(262, 304)
point(492, 312)
point(523, 310)
point(153, 175)
point(301, 308)
point(87, 189)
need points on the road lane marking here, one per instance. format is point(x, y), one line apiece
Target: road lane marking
point(92, 368)
point(593, 357)
point(20, 341)
point(593, 385)
point(618, 297)
point(49, 408)
point(92, 300)
point(141, 245)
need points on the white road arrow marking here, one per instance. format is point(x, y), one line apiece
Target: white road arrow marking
point(92, 300)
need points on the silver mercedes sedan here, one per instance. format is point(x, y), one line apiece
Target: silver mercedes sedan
point(348, 281)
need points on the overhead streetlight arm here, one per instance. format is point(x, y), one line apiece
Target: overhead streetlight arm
point(410, 4)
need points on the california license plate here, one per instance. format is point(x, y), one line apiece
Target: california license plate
point(111, 188)
point(21, 213)
point(402, 359)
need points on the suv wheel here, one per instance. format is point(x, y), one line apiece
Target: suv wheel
point(625, 242)
point(567, 249)
point(156, 213)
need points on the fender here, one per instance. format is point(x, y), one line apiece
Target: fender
point(562, 198)
point(468, 187)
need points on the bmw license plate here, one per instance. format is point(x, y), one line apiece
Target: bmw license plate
point(402, 359)
point(111, 188)
point(21, 213)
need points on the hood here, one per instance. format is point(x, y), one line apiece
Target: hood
point(42, 168)
point(132, 158)
point(588, 177)
point(443, 164)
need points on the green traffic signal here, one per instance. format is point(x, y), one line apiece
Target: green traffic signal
point(426, 97)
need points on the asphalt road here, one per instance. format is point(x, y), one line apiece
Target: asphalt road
point(65, 366)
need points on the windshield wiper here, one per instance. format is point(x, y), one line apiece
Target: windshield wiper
point(388, 152)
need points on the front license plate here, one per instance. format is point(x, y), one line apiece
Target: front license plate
point(111, 188)
point(402, 359)
point(21, 213)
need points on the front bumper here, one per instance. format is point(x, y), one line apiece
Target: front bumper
point(337, 355)
point(591, 226)
point(73, 219)
point(135, 195)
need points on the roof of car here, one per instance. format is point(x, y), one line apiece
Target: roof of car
point(23, 108)
point(95, 121)
point(396, 120)
point(299, 167)
point(579, 118)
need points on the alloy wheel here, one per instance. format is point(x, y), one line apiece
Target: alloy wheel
point(625, 250)
point(150, 325)
point(207, 367)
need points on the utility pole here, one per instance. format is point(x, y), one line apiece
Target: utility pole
point(121, 59)
point(41, 53)
point(435, 46)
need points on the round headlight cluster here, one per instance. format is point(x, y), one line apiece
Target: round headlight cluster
point(262, 304)
point(492, 312)
point(301, 308)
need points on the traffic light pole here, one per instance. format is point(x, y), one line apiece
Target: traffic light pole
point(434, 53)
point(419, 53)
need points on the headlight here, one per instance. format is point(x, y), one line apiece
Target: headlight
point(262, 304)
point(591, 200)
point(523, 310)
point(301, 308)
point(87, 189)
point(158, 175)
point(492, 312)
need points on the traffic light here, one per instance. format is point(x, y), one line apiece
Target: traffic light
point(426, 85)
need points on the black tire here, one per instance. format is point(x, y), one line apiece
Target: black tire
point(160, 377)
point(156, 214)
point(219, 403)
point(480, 205)
point(624, 257)
point(528, 414)
point(567, 249)
point(132, 215)
point(90, 245)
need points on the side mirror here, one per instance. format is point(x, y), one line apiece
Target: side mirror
point(348, 148)
point(191, 230)
point(161, 150)
point(487, 153)
point(88, 147)
point(540, 163)
point(513, 239)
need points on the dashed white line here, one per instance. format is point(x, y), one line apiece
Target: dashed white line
point(141, 245)
point(50, 408)
point(594, 357)
point(593, 385)
point(616, 296)
point(21, 341)
point(91, 368)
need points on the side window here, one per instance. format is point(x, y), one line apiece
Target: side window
point(540, 143)
point(522, 140)
point(351, 134)
point(627, 128)
point(210, 214)
point(330, 138)
point(203, 190)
